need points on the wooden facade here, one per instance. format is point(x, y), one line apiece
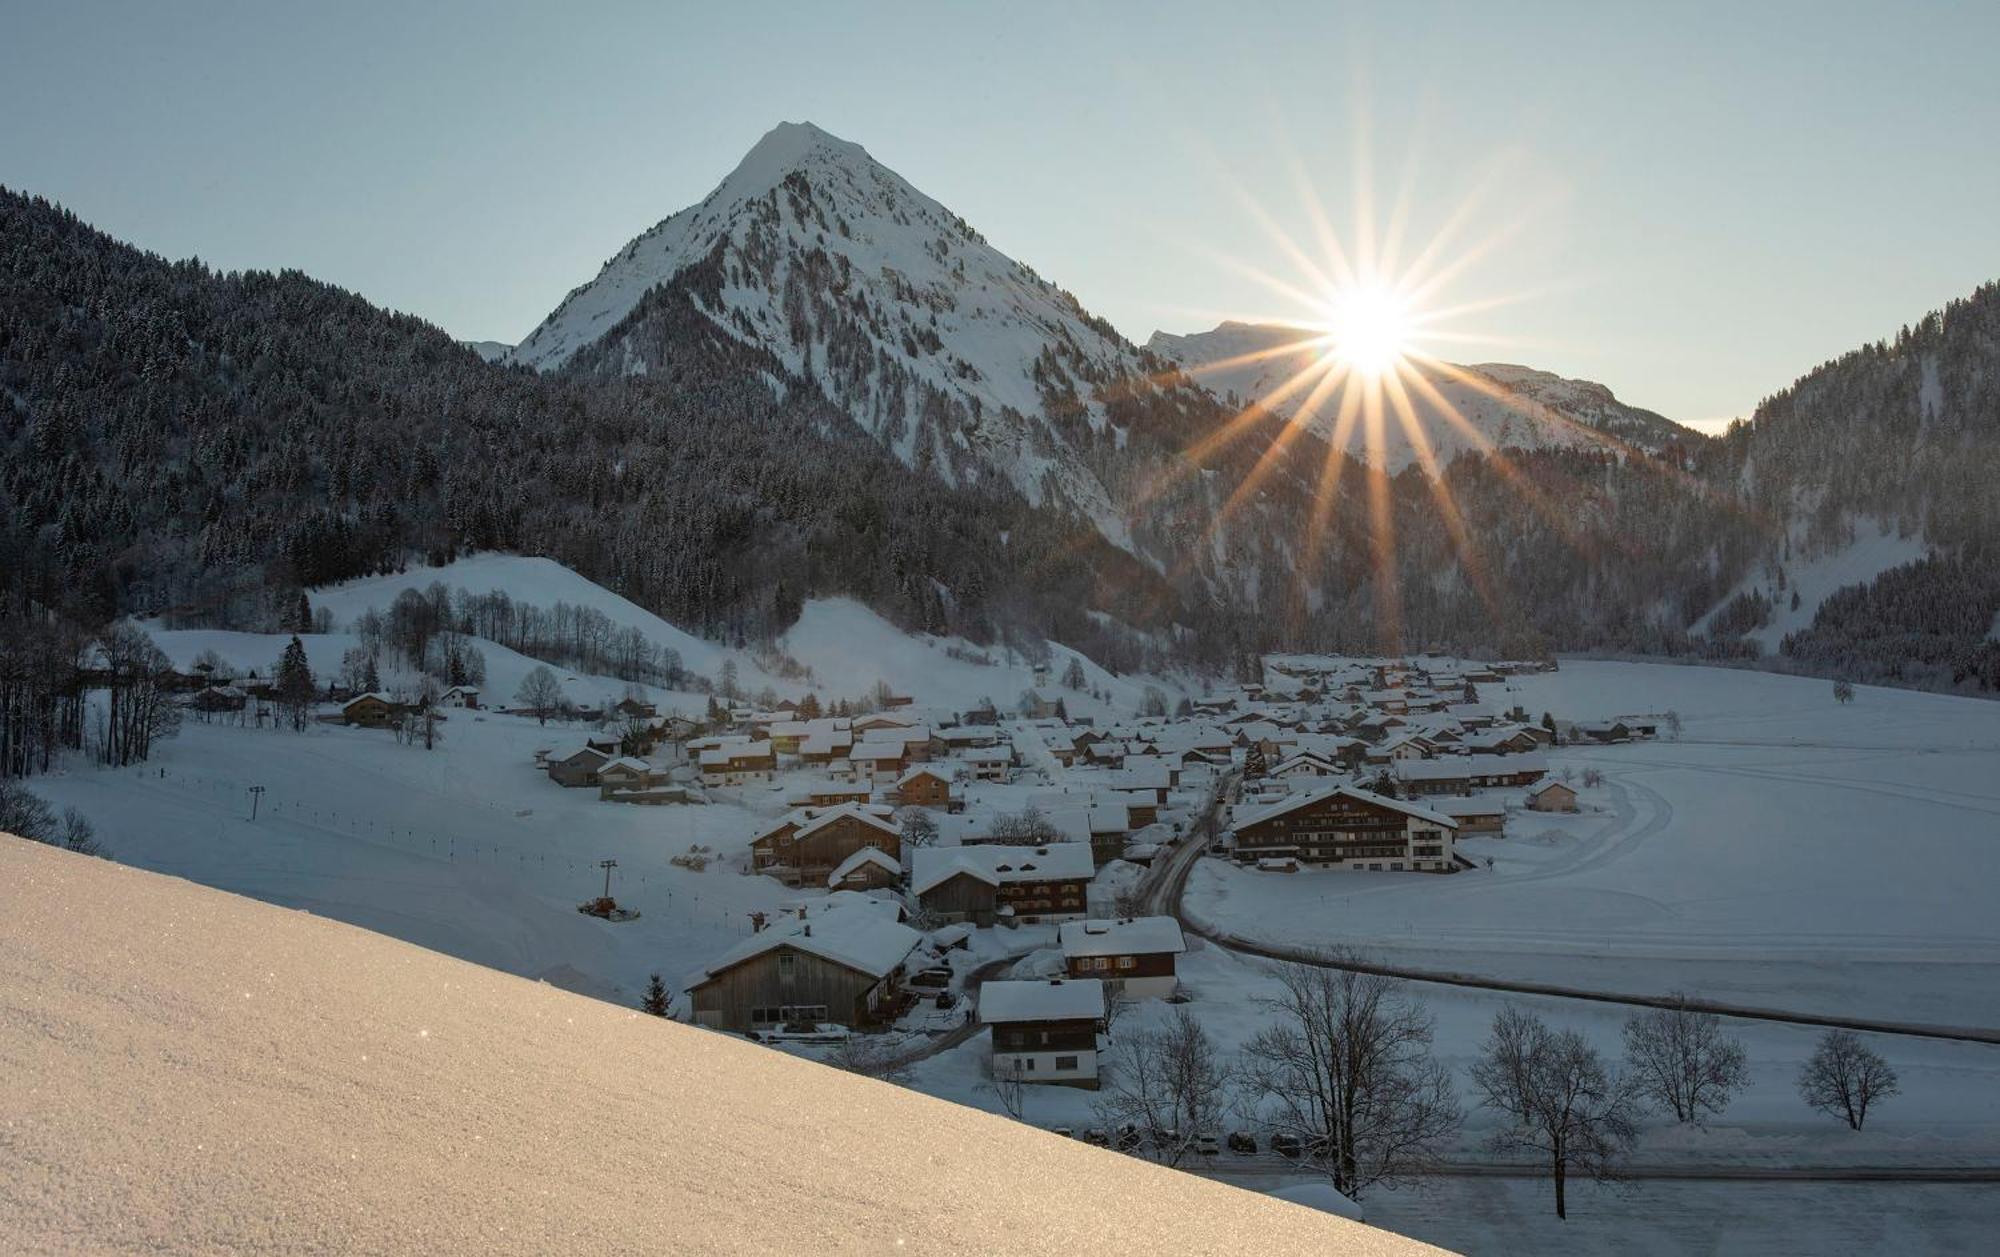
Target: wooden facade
point(801, 853)
point(1341, 828)
point(787, 984)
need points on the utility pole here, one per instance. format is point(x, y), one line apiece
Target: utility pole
point(607, 866)
point(256, 792)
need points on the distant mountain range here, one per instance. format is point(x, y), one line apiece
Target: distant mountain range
point(1456, 408)
point(819, 380)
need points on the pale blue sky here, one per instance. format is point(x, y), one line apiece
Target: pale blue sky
point(1701, 201)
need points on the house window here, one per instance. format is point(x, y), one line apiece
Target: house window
point(786, 963)
point(1127, 962)
point(1065, 1062)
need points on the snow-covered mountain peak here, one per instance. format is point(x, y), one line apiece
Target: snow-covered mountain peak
point(953, 355)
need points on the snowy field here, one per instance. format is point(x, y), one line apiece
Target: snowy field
point(1785, 852)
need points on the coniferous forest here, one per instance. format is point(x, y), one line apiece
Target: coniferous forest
point(202, 445)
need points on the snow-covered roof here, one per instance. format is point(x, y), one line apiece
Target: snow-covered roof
point(865, 856)
point(867, 752)
point(924, 770)
point(1137, 936)
point(997, 863)
point(1551, 783)
point(1298, 801)
point(1057, 999)
point(868, 942)
point(625, 763)
point(735, 751)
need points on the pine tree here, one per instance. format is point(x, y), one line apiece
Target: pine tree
point(658, 1002)
point(295, 683)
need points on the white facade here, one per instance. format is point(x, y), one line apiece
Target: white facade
point(1065, 1065)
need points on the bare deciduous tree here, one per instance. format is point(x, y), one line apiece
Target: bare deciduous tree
point(1347, 1067)
point(1169, 1083)
point(1845, 1077)
point(1565, 1104)
point(139, 705)
point(540, 693)
point(920, 828)
point(1682, 1060)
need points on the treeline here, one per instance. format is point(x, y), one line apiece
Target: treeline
point(49, 669)
point(1928, 624)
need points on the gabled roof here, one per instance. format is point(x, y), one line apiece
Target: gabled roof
point(1137, 936)
point(1298, 801)
point(865, 856)
point(736, 751)
point(870, 943)
point(997, 863)
point(1057, 999)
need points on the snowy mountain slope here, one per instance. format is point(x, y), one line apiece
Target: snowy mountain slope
point(1505, 405)
point(1876, 548)
point(952, 354)
point(491, 350)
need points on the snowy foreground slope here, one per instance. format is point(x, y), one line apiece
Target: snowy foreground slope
point(1458, 408)
point(214, 1073)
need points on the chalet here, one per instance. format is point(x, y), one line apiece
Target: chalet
point(1601, 731)
point(215, 698)
point(1045, 1032)
point(826, 747)
point(970, 737)
point(870, 868)
point(1552, 796)
point(924, 786)
point(1502, 742)
point(1148, 776)
point(1140, 807)
point(1449, 775)
point(1462, 774)
point(1109, 827)
point(1346, 827)
point(1475, 814)
point(808, 845)
point(983, 884)
point(1061, 748)
point(466, 696)
point(988, 763)
point(1133, 957)
point(577, 768)
point(843, 966)
point(627, 773)
point(1306, 764)
point(370, 711)
point(877, 761)
point(835, 793)
point(738, 764)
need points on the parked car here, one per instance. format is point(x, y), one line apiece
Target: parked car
point(1242, 1141)
point(1128, 1138)
point(1207, 1145)
point(1286, 1145)
point(945, 999)
point(935, 977)
point(1096, 1135)
point(1064, 1131)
